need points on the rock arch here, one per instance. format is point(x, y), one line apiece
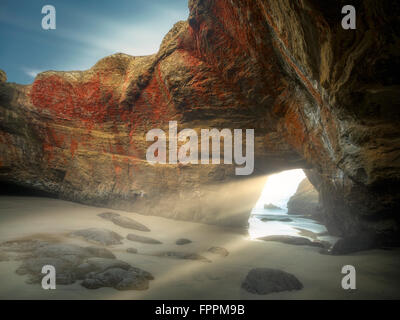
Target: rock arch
point(319, 97)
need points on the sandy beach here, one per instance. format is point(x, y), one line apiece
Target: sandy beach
point(378, 271)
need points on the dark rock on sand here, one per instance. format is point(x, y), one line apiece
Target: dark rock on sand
point(101, 236)
point(118, 278)
point(182, 241)
point(183, 255)
point(124, 222)
point(132, 250)
point(299, 241)
point(265, 280)
point(219, 250)
point(99, 265)
point(64, 257)
point(142, 239)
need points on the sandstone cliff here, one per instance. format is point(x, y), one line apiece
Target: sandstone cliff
point(319, 97)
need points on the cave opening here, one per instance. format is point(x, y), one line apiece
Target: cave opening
point(288, 205)
point(14, 189)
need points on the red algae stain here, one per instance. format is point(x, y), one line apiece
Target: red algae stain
point(118, 169)
point(92, 102)
point(74, 146)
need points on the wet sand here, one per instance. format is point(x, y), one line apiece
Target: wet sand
point(378, 271)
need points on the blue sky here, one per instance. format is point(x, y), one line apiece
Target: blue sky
point(86, 31)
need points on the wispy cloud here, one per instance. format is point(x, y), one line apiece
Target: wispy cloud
point(85, 33)
point(31, 72)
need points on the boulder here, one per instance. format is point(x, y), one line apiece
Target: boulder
point(117, 278)
point(265, 280)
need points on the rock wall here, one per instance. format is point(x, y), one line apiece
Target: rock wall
point(319, 97)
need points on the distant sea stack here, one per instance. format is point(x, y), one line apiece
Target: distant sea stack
point(271, 206)
point(305, 201)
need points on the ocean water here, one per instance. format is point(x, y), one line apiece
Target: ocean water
point(277, 191)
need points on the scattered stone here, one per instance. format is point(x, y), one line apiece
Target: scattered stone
point(298, 241)
point(183, 241)
point(124, 222)
point(132, 250)
point(97, 267)
point(219, 250)
point(266, 280)
point(64, 257)
point(271, 206)
point(101, 236)
point(182, 255)
point(120, 279)
point(134, 237)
